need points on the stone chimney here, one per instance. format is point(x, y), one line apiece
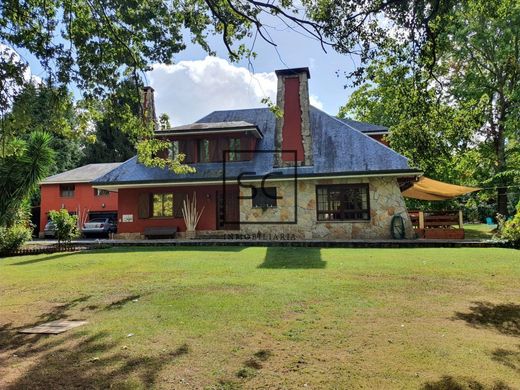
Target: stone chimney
point(293, 130)
point(149, 106)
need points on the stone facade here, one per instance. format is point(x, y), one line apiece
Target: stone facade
point(385, 202)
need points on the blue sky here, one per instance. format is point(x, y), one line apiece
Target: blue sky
point(197, 84)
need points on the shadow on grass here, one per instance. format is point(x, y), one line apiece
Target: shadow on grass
point(508, 358)
point(93, 361)
point(450, 383)
point(505, 318)
point(133, 249)
point(173, 248)
point(77, 359)
point(11, 340)
point(45, 258)
point(292, 258)
point(120, 303)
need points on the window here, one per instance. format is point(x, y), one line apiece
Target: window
point(187, 147)
point(204, 150)
point(234, 147)
point(98, 192)
point(343, 202)
point(264, 197)
point(67, 190)
point(162, 205)
point(173, 150)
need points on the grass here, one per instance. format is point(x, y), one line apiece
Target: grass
point(233, 318)
point(480, 231)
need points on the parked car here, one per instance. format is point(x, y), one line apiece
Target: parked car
point(98, 226)
point(49, 230)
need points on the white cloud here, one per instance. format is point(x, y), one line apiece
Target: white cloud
point(190, 90)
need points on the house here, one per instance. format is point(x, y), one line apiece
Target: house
point(303, 174)
point(72, 190)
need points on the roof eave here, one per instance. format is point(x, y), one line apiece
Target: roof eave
point(239, 129)
point(309, 176)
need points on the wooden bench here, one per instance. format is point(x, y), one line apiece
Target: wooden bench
point(160, 232)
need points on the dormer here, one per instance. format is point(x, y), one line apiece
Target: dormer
point(213, 142)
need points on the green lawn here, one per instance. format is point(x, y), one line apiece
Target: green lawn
point(272, 318)
point(479, 231)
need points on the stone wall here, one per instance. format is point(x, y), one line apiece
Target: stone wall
point(385, 202)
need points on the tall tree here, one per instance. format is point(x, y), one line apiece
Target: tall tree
point(481, 60)
point(20, 173)
point(432, 132)
point(461, 115)
point(112, 144)
point(97, 44)
point(39, 108)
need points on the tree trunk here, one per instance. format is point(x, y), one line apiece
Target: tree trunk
point(500, 144)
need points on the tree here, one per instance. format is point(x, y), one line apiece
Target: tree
point(432, 132)
point(20, 173)
point(112, 143)
point(460, 116)
point(38, 108)
point(481, 60)
point(164, 121)
point(65, 225)
point(96, 45)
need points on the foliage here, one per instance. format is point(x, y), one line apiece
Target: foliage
point(20, 173)
point(66, 225)
point(40, 108)
point(458, 118)
point(13, 237)
point(431, 132)
point(164, 121)
point(510, 229)
point(96, 44)
point(112, 143)
point(480, 60)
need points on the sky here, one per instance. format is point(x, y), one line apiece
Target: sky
point(198, 84)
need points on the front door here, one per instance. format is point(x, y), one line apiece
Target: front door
point(228, 210)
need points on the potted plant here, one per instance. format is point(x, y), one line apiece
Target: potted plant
point(191, 215)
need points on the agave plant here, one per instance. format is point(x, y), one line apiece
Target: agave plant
point(190, 214)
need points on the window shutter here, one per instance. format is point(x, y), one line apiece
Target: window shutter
point(144, 206)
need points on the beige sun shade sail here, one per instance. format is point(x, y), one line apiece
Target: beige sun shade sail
point(429, 189)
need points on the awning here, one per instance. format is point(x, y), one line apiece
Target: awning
point(429, 189)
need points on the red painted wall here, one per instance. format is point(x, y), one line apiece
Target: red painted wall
point(292, 116)
point(83, 197)
point(128, 204)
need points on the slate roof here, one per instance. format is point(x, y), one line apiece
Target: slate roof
point(84, 174)
point(337, 149)
point(364, 127)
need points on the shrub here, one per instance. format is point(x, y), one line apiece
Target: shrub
point(510, 230)
point(66, 225)
point(12, 238)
